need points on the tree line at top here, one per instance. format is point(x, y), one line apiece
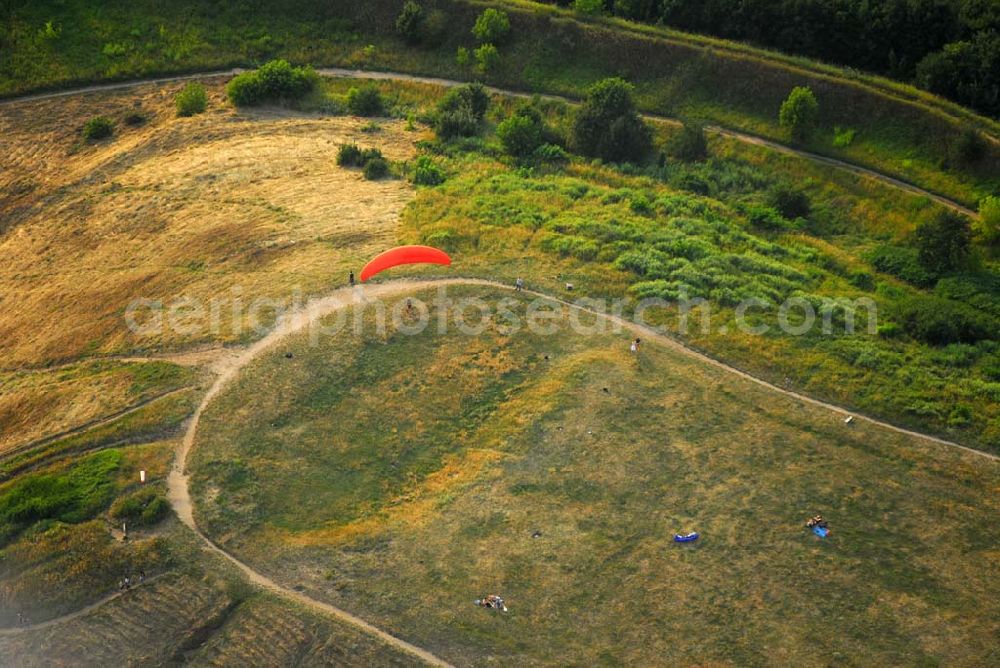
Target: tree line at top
point(950, 47)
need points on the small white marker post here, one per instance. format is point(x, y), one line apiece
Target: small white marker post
point(142, 476)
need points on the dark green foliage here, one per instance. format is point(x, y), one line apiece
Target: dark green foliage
point(98, 127)
point(941, 321)
point(426, 172)
point(349, 155)
point(373, 164)
point(375, 168)
point(690, 143)
point(487, 58)
point(901, 262)
point(969, 147)
point(191, 100)
point(365, 101)
point(967, 71)
point(135, 118)
point(409, 23)
point(492, 26)
point(523, 132)
point(951, 47)
point(766, 218)
point(461, 111)
point(790, 202)
point(144, 507)
point(943, 243)
point(275, 81)
point(799, 113)
point(607, 126)
point(74, 495)
point(862, 280)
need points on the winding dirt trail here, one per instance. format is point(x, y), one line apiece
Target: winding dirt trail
point(447, 83)
point(14, 630)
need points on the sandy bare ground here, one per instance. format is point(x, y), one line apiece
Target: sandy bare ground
point(436, 81)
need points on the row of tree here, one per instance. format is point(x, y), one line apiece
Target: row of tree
point(951, 47)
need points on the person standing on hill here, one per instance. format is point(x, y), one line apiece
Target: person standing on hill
point(350, 278)
point(519, 284)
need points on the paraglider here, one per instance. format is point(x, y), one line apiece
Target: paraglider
point(403, 255)
point(686, 538)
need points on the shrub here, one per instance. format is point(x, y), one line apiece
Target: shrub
point(368, 155)
point(191, 100)
point(461, 111)
point(968, 148)
point(375, 168)
point(349, 155)
point(551, 153)
point(766, 218)
point(144, 507)
point(410, 22)
point(365, 101)
point(989, 214)
point(492, 26)
point(426, 172)
point(941, 321)
point(791, 202)
point(98, 127)
point(275, 81)
point(607, 126)
point(900, 262)
point(690, 144)
point(862, 280)
point(522, 133)
point(135, 118)
point(943, 243)
point(589, 7)
point(487, 58)
point(462, 56)
point(799, 112)
point(843, 137)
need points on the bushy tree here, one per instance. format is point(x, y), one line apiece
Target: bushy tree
point(191, 100)
point(968, 147)
point(460, 112)
point(426, 172)
point(365, 101)
point(790, 202)
point(275, 81)
point(492, 26)
point(943, 243)
point(690, 143)
point(607, 126)
point(349, 155)
point(487, 58)
point(522, 133)
point(942, 321)
point(375, 168)
point(409, 23)
point(989, 214)
point(98, 127)
point(799, 112)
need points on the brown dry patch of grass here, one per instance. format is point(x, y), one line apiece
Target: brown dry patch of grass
point(197, 207)
point(36, 404)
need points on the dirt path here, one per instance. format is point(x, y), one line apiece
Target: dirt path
point(86, 426)
point(76, 614)
point(436, 81)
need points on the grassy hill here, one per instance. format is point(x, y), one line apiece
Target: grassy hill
point(557, 477)
point(895, 129)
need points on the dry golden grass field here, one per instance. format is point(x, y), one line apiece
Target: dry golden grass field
point(176, 206)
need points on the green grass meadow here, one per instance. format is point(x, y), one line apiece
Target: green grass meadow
point(403, 476)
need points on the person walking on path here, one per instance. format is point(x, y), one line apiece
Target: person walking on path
point(350, 278)
point(519, 284)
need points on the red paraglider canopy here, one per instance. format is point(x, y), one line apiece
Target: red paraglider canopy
point(403, 255)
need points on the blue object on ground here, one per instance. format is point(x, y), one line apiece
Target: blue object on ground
point(693, 536)
point(820, 531)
